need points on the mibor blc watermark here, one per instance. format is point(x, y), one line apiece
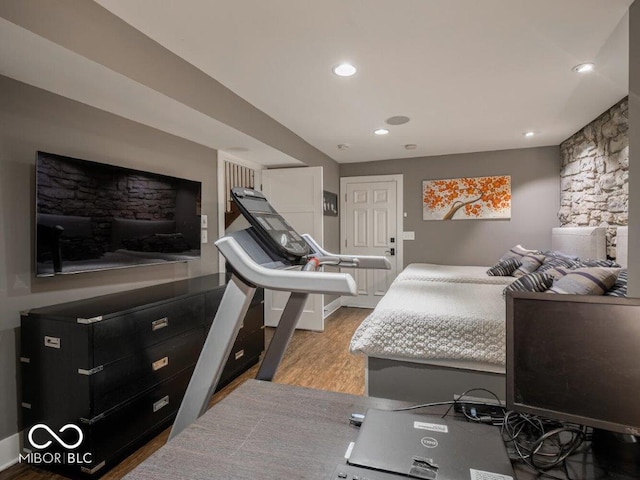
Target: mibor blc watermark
point(56, 457)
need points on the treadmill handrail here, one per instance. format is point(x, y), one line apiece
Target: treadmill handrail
point(286, 280)
point(357, 261)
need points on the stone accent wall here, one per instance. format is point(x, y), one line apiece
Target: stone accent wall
point(594, 187)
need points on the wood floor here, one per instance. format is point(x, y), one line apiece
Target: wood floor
point(313, 359)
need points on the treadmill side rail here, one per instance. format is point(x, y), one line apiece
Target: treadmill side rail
point(285, 280)
point(357, 261)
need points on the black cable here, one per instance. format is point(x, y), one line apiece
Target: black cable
point(421, 405)
point(538, 443)
point(565, 449)
point(439, 404)
point(457, 400)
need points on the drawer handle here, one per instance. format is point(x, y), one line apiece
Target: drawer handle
point(158, 364)
point(53, 342)
point(160, 323)
point(163, 402)
point(239, 354)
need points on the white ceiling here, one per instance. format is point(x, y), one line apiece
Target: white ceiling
point(472, 75)
point(32, 59)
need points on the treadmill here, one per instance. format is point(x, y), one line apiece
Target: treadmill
point(269, 254)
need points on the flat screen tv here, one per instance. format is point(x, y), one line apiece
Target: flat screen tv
point(93, 216)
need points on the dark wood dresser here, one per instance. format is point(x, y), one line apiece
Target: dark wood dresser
point(117, 366)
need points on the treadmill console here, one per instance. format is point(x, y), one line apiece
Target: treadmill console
point(269, 224)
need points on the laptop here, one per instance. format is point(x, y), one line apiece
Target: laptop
point(430, 447)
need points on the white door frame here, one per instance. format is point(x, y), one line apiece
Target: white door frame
point(399, 179)
point(222, 157)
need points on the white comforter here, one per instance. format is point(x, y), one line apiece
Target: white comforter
point(451, 273)
point(430, 320)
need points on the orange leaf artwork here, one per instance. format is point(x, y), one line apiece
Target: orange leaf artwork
point(466, 198)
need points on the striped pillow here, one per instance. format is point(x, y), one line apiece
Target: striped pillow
point(504, 267)
point(586, 281)
point(557, 272)
point(619, 288)
point(559, 254)
point(599, 263)
point(533, 282)
point(554, 262)
point(518, 251)
point(530, 263)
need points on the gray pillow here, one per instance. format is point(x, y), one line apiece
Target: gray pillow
point(530, 263)
point(554, 262)
point(557, 272)
point(586, 281)
point(559, 254)
point(504, 267)
point(619, 288)
point(533, 282)
point(518, 251)
point(599, 263)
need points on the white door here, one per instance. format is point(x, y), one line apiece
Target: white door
point(296, 193)
point(370, 227)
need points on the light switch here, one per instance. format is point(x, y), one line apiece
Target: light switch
point(408, 235)
point(203, 221)
point(203, 236)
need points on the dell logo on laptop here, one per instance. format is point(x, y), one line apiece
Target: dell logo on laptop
point(429, 442)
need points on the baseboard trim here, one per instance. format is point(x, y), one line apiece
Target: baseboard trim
point(331, 307)
point(9, 451)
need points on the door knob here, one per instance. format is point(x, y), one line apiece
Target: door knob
point(391, 251)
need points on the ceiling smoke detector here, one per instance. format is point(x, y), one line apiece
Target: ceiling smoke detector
point(397, 120)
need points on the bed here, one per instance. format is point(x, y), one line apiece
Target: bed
point(440, 329)
point(451, 274)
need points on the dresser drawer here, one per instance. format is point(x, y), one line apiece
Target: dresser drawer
point(146, 414)
point(112, 436)
point(212, 301)
point(118, 381)
point(253, 320)
point(119, 337)
point(128, 426)
point(246, 352)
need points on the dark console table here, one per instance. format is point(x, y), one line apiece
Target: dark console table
point(117, 366)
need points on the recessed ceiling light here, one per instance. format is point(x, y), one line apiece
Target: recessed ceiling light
point(344, 70)
point(381, 131)
point(529, 134)
point(410, 146)
point(397, 120)
point(583, 68)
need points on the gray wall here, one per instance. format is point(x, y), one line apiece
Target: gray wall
point(535, 184)
point(117, 45)
point(634, 150)
point(31, 120)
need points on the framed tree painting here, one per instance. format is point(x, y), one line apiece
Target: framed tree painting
point(467, 198)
